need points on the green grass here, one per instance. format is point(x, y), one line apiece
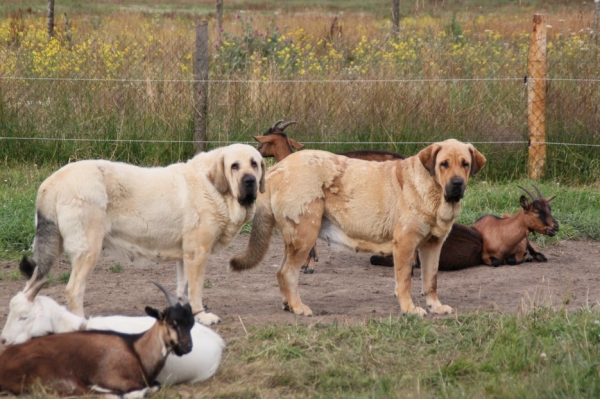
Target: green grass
point(539, 354)
point(116, 268)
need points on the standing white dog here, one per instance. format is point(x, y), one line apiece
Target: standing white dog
point(181, 212)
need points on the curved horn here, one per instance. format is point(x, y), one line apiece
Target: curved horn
point(282, 127)
point(541, 196)
point(276, 124)
point(35, 288)
point(528, 192)
point(185, 298)
point(172, 299)
point(32, 280)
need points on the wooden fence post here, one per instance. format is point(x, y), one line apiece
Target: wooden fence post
point(396, 16)
point(201, 86)
point(50, 18)
point(536, 98)
point(219, 16)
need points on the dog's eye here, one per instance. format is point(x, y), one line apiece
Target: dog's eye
point(465, 164)
point(254, 164)
point(235, 166)
point(444, 164)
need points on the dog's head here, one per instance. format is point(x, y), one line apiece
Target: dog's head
point(240, 170)
point(451, 163)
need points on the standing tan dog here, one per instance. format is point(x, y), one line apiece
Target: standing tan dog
point(387, 207)
point(181, 212)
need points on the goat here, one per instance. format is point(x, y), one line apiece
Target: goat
point(31, 315)
point(505, 238)
point(275, 143)
point(106, 362)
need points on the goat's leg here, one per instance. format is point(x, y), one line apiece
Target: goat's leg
point(83, 244)
point(196, 250)
point(180, 279)
point(537, 256)
point(309, 267)
point(429, 255)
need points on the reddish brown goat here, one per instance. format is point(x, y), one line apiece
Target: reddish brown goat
point(275, 143)
point(107, 362)
point(505, 239)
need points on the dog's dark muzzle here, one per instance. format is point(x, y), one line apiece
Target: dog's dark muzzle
point(455, 189)
point(248, 190)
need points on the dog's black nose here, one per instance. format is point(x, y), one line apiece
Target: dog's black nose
point(249, 180)
point(457, 181)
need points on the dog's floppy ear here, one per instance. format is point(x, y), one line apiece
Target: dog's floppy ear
point(263, 174)
point(216, 174)
point(428, 155)
point(477, 160)
point(294, 144)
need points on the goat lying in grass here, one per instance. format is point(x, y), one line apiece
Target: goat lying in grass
point(505, 238)
point(275, 143)
point(31, 315)
point(494, 240)
point(107, 362)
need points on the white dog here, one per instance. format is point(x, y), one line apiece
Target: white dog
point(181, 212)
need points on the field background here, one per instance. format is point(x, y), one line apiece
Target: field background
point(116, 81)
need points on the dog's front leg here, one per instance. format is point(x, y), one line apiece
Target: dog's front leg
point(429, 254)
point(194, 264)
point(404, 252)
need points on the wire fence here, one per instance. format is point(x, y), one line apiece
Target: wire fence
point(135, 97)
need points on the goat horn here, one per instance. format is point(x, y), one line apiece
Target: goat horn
point(172, 299)
point(185, 298)
point(35, 288)
point(541, 196)
point(276, 124)
point(528, 192)
point(282, 127)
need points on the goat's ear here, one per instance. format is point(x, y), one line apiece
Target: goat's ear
point(427, 157)
point(216, 174)
point(263, 176)
point(263, 139)
point(524, 203)
point(549, 200)
point(295, 145)
point(477, 160)
point(157, 314)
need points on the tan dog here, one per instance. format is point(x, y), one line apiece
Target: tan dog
point(387, 207)
point(181, 212)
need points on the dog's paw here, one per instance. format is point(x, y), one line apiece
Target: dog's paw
point(208, 319)
point(417, 310)
point(301, 310)
point(440, 309)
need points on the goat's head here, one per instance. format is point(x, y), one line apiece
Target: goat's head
point(538, 215)
point(177, 321)
point(274, 142)
point(26, 318)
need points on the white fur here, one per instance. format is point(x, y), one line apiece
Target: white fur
point(27, 319)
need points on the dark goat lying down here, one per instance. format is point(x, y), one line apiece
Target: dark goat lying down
point(88, 362)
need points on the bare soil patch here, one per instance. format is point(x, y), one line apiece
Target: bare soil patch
point(345, 286)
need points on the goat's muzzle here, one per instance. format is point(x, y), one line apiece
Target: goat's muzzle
point(455, 189)
point(551, 231)
point(248, 190)
point(181, 349)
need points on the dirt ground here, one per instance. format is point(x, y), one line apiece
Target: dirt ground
point(345, 286)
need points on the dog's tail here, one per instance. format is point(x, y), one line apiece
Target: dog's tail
point(46, 248)
point(260, 237)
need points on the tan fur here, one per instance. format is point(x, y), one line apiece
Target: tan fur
point(182, 212)
point(386, 207)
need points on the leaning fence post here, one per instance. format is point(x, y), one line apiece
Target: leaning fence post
point(201, 86)
point(396, 16)
point(536, 98)
point(50, 18)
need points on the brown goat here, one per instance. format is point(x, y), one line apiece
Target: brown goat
point(505, 238)
point(86, 362)
point(275, 143)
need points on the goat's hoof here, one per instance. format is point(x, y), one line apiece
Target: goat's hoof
point(309, 271)
point(304, 267)
point(540, 257)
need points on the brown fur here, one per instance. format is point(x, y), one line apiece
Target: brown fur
point(361, 206)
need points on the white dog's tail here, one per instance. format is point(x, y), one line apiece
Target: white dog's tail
point(260, 237)
point(46, 248)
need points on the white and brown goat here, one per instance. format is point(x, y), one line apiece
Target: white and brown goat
point(275, 143)
point(505, 238)
point(101, 362)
